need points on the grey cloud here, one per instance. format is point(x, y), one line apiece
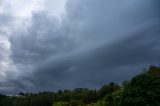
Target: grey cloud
point(5, 19)
point(96, 67)
point(108, 18)
point(97, 42)
point(42, 40)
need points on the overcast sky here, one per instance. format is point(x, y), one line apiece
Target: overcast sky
point(63, 44)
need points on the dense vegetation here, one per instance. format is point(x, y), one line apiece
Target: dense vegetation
point(142, 90)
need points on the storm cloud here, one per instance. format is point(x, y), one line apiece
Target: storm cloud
point(90, 44)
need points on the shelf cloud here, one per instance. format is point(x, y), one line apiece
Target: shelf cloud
point(89, 43)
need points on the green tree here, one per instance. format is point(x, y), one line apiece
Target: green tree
point(108, 89)
point(144, 89)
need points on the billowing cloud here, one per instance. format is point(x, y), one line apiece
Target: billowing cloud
point(94, 43)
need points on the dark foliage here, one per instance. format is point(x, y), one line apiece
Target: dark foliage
point(142, 90)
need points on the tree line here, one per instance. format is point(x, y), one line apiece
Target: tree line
point(141, 90)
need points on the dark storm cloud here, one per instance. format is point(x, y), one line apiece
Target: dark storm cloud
point(126, 57)
point(97, 42)
point(42, 40)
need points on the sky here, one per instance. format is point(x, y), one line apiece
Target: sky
point(46, 45)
